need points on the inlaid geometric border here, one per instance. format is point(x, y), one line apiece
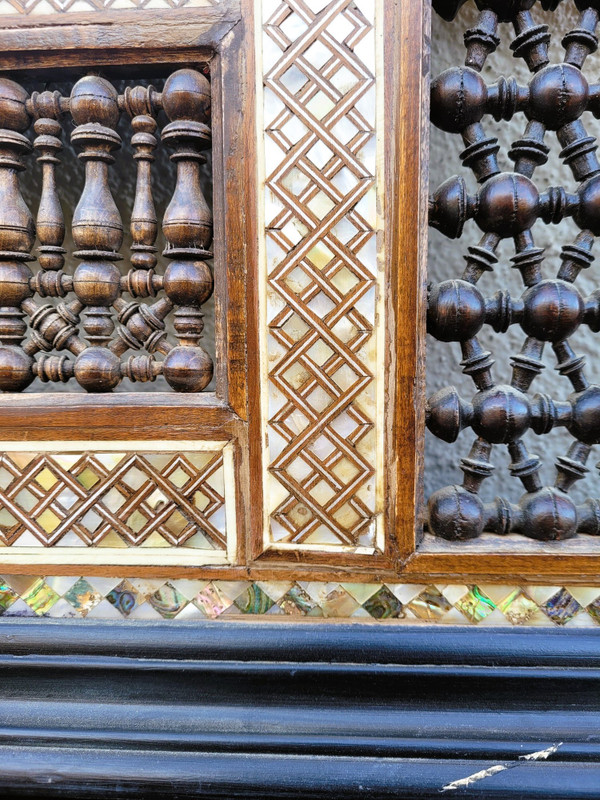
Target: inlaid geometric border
point(38, 7)
point(92, 494)
point(322, 312)
point(399, 604)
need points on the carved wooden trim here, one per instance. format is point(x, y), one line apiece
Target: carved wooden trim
point(456, 702)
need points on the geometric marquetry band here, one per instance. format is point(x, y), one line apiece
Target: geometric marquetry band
point(132, 598)
point(550, 311)
point(110, 498)
point(95, 330)
point(324, 179)
point(35, 7)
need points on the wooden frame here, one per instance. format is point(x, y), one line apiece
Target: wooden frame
point(226, 34)
point(118, 38)
point(496, 560)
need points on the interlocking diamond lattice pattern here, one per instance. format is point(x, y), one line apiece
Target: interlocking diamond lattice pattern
point(485, 605)
point(112, 499)
point(37, 7)
point(558, 105)
point(322, 267)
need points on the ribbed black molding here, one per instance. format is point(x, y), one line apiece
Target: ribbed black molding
point(275, 710)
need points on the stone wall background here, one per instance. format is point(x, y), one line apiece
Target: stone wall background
point(446, 261)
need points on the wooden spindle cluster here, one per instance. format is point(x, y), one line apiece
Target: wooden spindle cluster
point(506, 206)
point(89, 333)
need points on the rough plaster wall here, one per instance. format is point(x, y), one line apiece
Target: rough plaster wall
point(122, 180)
point(446, 261)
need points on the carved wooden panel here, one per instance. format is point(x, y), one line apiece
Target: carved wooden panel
point(559, 106)
point(92, 326)
point(313, 403)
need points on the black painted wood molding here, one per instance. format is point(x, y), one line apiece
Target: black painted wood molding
point(285, 710)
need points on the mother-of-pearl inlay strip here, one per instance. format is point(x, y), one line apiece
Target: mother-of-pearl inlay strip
point(322, 315)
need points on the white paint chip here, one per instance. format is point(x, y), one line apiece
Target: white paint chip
point(541, 755)
point(477, 776)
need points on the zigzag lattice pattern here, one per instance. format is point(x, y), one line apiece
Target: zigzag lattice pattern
point(322, 256)
point(36, 7)
point(112, 499)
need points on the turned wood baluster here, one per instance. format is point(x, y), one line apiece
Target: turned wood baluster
point(17, 235)
point(141, 280)
point(46, 110)
point(187, 226)
point(97, 230)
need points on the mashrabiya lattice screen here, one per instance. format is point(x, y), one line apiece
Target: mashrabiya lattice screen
point(83, 325)
point(550, 310)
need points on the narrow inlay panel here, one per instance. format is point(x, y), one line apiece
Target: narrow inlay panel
point(91, 505)
point(324, 318)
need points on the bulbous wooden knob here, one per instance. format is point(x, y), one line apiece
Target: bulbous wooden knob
point(13, 114)
point(558, 94)
point(458, 99)
point(583, 4)
point(587, 213)
point(16, 369)
point(446, 414)
point(506, 10)
point(508, 204)
point(548, 515)
point(14, 283)
point(585, 415)
point(501, 414)
point(94, 99)
point(186, 95)
point(448, 207)
point(456, 311)
point(188, 369)
point(98, 370)
point(97, 283)
point(188, 283)
point(553, 310)
point(448, 9)
point(456, 514)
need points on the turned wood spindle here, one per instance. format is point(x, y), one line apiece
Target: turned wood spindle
point(17, 235)
point(50, 220)
point(138, 103)
point(187, 226)
point(97, 229)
